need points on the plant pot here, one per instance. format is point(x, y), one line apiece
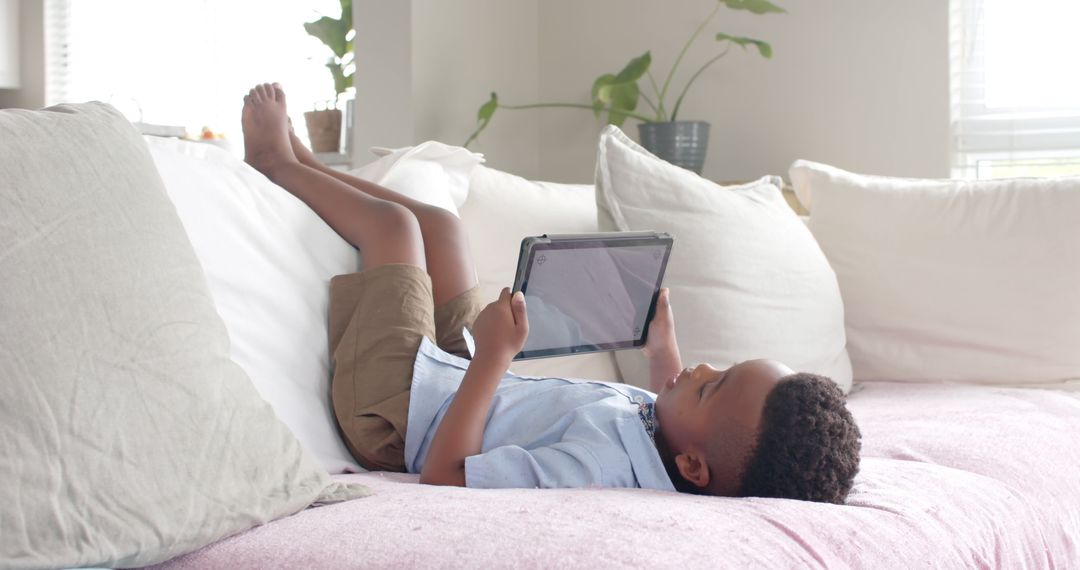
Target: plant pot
point(324, 130)
point(682, 143)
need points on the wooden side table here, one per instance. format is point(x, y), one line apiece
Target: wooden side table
point(789, 195)
point(793, 201)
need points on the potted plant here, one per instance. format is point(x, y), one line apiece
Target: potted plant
point(324, 125)
point(617, 95)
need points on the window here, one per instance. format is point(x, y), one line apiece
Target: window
point(187, 63)
point(1015, 90)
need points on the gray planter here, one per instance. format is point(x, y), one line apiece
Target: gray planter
point(682, 143)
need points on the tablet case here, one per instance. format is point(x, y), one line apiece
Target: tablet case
point(608, 239)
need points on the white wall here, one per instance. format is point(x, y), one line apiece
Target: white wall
point(861, 84)
point(31, 91)
point(383, 79)
point(9, 44)
point(426, 66)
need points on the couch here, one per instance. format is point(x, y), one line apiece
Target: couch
point(964, 387)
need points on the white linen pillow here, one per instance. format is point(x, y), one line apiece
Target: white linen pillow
point(952, 280)
point(747, 279)
point(501, 210)
point(128, 434)
point(430, 172)
point(269, 259)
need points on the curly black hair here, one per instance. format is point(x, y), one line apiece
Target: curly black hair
point(808, 444)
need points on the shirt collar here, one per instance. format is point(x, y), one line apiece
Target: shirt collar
point(647, 413)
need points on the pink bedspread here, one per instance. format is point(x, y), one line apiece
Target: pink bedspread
point(952, 477)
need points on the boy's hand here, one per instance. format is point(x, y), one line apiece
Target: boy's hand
point(500, 331)
point(662, 328)
point(501, 328)
point(661, 348)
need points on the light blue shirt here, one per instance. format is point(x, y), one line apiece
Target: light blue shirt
point(540, 432)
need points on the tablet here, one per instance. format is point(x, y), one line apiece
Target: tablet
point(590, 292)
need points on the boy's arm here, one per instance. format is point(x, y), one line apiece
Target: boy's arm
point(500, 331)
point(661, 348)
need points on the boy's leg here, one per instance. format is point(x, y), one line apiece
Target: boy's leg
point(446, 247)
point(385, 231)
point(377, 317)
point(446, 251)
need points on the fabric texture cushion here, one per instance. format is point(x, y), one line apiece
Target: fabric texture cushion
point(952, 280)
point(128, 434)
point(952, 477)
point(747, 278)
point(268, 261)
point(430, 172)
point(501, 210)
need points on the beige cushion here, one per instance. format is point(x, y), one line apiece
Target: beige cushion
point(249, 233)
point(952, 280)
point(747, 278)
point(501, 210)
point(128, 435)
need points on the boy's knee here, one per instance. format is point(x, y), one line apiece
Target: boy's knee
point(397, 222)
point(440, 223)
point(389, 233)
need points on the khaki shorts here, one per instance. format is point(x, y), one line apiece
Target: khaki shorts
point(376, 320)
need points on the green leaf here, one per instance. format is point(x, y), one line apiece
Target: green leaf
point(346, 14)
point(601, 93)
point(340, 81)
point(483, 117)
point(624, 98)
point(635, 69)
point(331, 32)
point(754, 6)
point(619, 93)
point(487, 110)
point(763, 48)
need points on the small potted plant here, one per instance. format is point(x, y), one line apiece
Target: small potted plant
point(324, 125)
point(617, 95)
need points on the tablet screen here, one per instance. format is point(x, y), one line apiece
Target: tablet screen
point(590, 298)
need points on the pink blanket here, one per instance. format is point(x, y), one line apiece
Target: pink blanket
point(951, 477)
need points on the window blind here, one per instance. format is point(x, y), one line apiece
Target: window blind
point(1015, 93)
point(57, 17)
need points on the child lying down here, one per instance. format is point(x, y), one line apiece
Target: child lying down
point(409, 396)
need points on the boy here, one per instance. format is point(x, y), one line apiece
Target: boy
point(404, 403)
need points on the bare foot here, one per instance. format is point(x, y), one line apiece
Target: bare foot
point(266, 129)
point(303, 153)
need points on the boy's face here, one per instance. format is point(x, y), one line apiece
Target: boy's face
point(714, 415)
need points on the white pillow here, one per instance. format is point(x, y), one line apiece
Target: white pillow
point(430, 172)
point(952, 280)
point(129, 436)
point(501, 210)
point(268, 260)
point(747, 279)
